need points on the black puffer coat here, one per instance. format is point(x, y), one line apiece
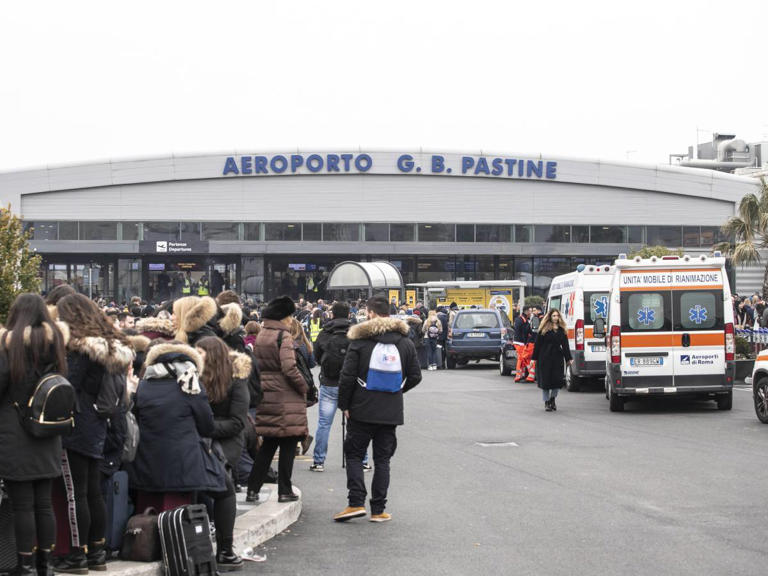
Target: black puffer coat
point(89, 360)
point(173, 454)
point(230, 416)
point(24, 457)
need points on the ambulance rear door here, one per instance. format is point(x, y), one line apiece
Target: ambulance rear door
point(647, 338)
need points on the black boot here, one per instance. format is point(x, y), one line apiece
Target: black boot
point(44, 567)
point(228, 561)
point(553, 404)
point(97, 557)
point(252, 496)
point(548, 405)
point(25, 565)
point(75, 562)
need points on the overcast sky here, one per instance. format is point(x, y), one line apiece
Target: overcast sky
point(86, 81)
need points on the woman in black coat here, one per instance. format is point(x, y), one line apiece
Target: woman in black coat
point(176, 423)
point(98, 357)
point(551, 352)
point(31, 346)
point(225, 380)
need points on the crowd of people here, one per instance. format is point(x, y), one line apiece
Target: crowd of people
point(214, 387)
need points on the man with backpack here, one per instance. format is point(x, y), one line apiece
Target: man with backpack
point(330, 350)
point(380, 365)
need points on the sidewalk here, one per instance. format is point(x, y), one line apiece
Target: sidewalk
point(255, 525)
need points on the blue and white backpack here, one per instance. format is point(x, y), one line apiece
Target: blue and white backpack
point(385, 371)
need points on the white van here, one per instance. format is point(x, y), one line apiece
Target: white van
point(669, 330)
point(582, 297)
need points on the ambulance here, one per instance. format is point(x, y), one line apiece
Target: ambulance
point(582, 297)
point(669, 330)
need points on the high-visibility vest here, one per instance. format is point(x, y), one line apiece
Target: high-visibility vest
point(314, 329)
point(187, 288)
point(202, 289)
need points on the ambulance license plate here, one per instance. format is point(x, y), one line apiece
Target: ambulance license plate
point(598, 347)
point(647, 361)
point(476, 335)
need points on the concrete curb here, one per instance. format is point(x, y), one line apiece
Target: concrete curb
point(254, 527)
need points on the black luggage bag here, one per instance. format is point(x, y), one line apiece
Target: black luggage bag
point(7, 534)
point(186, 540)
point(118, 507)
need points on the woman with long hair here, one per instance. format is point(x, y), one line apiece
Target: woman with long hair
point(551, 353)
point(98, 358)
point(432, 329)
point(31, 346)
point(225, 379)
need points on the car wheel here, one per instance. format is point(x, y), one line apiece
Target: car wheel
point(572, 383)
point(760, 396)
point(725, 401)
point(450, 363)
point(504, 368)
point(462, 362)
point(615, 402)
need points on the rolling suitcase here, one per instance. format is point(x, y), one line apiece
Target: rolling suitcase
point(186, 542)
point(162, 501)
point(118, 506)
point(7, 535)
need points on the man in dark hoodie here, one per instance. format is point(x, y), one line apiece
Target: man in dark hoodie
point(380, 365)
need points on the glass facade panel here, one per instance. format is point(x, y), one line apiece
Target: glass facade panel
point(221, 230)
point(313, 231)
point(608, 234)
point(493, 233)
point(98, 230)
point(711, 235)
point(68, 231)
point(282, 231)
point(484, 268)
point(580, 234)
point(523, 233)
point(190, 231)
point(341, 232)
point(128, 279)
point(435, 269)
point(465, 232)
point(545, 269)
point(161, 231)
point(252, 231)
point(437, 232)
point(401, 233)
point(547, 233)
point(634, 234)
point(691, 237)
point(377, 232)
point(45, 231)
point(131, 231)
point(664, 236)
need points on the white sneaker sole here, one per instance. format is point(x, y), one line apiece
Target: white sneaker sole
point(379, 520)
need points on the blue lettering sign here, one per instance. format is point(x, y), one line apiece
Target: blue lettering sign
point(466, 163)
point(536, 168)
point(333, 162)
point(230, 166)
point(510, 162)
point(315, 163)
point(279, 164)
point(260, 165)
point(245, 165)
point(363, 162)
point(551, 170)
point(438, 164)
point(405, 163)
point(498, 167)
point(346, 158)
point(296, 162)
point(482, 166)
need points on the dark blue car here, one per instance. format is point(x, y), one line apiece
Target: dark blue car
point(476, 334)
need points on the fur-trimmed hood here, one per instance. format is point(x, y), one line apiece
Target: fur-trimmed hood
point(241, 365)
point(203, 311)
point(232, 320)
point(139, 342)
point(62, 326)
point(169, 348)
point(53, 311)
point(115, 358)
point(377, 327)
point(414, 321)
point(156, 325)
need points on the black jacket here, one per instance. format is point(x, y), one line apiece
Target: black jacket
point(331, 328)
point(173, 453)
point(522, 330)
point(371, 406)
point(90, 360)
point(22, 456)
point(551, 352)
point(230, 416)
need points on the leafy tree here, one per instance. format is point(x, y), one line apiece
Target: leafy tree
point(19, 265)
point(658, 251)
point(534, 300)
point(750, 230)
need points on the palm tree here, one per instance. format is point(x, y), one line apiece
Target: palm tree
point(750, 229)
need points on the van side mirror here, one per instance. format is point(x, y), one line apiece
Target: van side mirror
point(599, 328)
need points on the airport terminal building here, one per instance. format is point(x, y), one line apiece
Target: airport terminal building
point(277, 223)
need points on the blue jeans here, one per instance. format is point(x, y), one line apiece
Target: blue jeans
point(432, 351)
point(549, 394)
point(326, 411)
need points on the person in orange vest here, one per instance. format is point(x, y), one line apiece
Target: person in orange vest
point(520, 340)
point(535, 321)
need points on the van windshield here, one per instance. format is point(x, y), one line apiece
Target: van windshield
point(476, 320)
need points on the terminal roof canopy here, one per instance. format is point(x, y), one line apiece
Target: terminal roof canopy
point(369, 276)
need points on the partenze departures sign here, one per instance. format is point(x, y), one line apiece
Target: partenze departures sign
point(384, 163)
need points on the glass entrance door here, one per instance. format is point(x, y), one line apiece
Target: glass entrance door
point(168, 279)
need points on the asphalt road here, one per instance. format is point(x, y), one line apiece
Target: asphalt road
point(672, 488)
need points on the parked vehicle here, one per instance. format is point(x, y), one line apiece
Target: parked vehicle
point(582, 297)
point(759, 383)
point(508, 356)
point(498, 294)
point(670, 330)
point(476, 334)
